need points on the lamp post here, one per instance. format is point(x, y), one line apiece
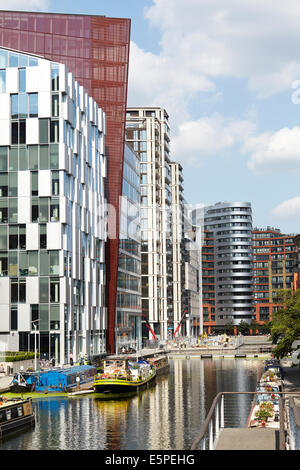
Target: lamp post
point(35, 349)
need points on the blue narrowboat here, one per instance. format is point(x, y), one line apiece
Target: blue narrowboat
point(54, 380)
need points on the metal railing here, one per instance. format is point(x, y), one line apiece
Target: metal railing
point(222, 415)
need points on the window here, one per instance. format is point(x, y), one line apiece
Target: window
point(54, 131)
point(14, 318)
point(2, 81)
point(55, 77)
point(55, 105)
point(55, 183)
point(18, 132)
point(33, 105)
point(34, 183)
point(43, 131)
point(43, 236)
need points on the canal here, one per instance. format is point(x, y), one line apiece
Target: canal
point(166, 416)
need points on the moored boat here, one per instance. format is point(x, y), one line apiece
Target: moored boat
point(161, 364)
point(15, 413)
point(122, 375)
point(54, 380)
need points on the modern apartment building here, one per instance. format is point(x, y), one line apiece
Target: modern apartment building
point(274, 256)
point(185, 260)
point(52, 228)
point(95, 49)
point(148, 133)
point(227, 252)
point(129, 315)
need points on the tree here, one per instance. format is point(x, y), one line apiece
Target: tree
point(285, 326)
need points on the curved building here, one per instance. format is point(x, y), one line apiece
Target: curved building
point(230, 224)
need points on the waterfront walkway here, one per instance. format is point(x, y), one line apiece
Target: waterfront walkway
point(248, 439)
point(259, 438)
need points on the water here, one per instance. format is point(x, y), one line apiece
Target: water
point(166, 416)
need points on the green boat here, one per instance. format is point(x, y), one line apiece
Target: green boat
point(123, 376)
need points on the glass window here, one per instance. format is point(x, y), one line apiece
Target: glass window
point(13, 159)
point(33, 105)
point(3, 210)
point(13, 210)
point(23, 105)
point(54, 209)
point(54, 290)
point(3, 184)
point(34, 183)
point(22, 291)
point(14, 106)
point(14, 291)
point(22, 237)
point(55, 183)
point(35, 209)
point(54, 156)
point(3, 59)
point(55, 77)
point(13, 237)
point(22, 80)
point(14, 133)
point(44, 210)
point(13, 263)
point(54, 131)
point(44, 290)
point(3, 158)
point(23, 158)
point(44, 263)
point(3, 237)
point(54, 262)
point(54, 317)
point(33, 157)
point(3, 263)
point(33, 263)
point(43, 236)
point(2, 81)
point(23, 263)
point(13, 60)
point(44, 135)
point(44, 318)
point(13, 184)
point(55, 105)
point(22, 139)
point(44, 159)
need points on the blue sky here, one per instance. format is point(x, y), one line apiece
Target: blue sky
point(227, 72)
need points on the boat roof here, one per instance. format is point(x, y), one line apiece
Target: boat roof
point(58, 370)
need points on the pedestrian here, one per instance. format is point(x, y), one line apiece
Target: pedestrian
point(71, 359)
point(78, 382)
point(53, 362)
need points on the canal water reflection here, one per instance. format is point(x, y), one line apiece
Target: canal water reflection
point(165, 416)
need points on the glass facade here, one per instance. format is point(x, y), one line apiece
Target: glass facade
point(128, 317)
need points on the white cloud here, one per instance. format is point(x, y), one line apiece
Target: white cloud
point(207, 136)
point(208, 39)
point(275, 151)
point(289, 209)
point(28, 5)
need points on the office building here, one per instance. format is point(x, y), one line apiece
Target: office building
point(52, 228)
point(95, 49)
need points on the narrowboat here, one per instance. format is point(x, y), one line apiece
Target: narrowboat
point(161, 364)
point(122, 375)
point(54, 380)
point(15, 413)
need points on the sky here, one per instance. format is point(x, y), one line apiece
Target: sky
point(228, 74)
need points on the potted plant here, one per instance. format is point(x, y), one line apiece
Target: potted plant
point(265, 411)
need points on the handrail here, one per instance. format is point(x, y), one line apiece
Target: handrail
point(207, 422)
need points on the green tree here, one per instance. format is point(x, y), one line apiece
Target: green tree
point(285, 326)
